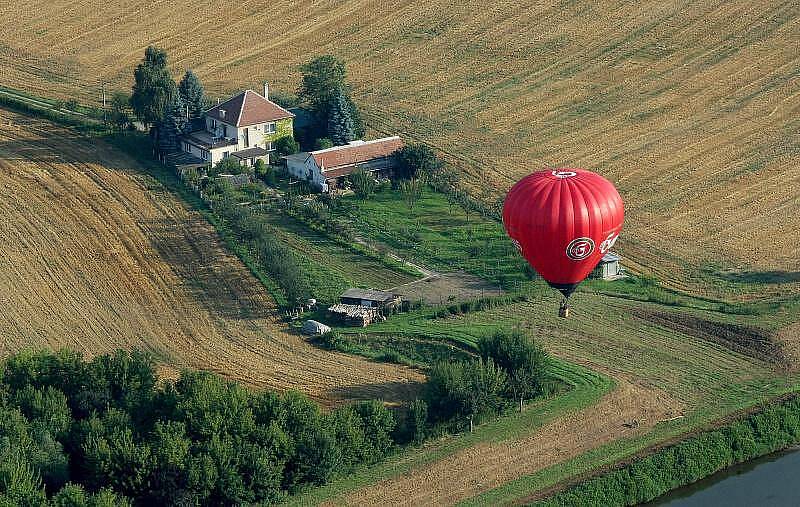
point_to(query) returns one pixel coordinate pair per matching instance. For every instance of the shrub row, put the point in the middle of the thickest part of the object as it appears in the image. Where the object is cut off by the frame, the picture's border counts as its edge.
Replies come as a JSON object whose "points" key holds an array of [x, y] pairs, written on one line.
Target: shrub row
{"points": [[772, 429], [271, 254], [477, 305], [53, 115]]}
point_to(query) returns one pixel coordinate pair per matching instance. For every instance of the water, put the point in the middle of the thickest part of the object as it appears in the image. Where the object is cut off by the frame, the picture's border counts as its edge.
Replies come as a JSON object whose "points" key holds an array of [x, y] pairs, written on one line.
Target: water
{"points": [[770, 481]]}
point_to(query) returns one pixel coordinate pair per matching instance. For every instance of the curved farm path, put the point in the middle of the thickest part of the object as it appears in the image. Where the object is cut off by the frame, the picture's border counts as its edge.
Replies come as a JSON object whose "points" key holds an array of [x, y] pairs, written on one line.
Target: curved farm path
{"points": [[485, 466], [96, 256]]}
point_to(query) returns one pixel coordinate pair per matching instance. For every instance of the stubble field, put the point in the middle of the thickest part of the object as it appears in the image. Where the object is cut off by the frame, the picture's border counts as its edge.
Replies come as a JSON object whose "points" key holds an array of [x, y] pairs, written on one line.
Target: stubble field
{"points": [[690, 107], [97, 256]]}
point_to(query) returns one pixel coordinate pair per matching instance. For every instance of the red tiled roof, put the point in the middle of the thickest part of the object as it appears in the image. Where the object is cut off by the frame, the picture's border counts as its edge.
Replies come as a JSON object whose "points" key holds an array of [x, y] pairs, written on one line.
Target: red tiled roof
{"points": [[248, 108], [352, 154]]}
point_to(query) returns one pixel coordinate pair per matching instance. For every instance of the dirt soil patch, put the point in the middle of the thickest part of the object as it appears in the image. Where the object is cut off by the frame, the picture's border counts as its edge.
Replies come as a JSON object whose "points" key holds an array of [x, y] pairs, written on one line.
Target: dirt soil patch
{"points": [[480, 468], [97, 255], [788, 339], [447, 288], [748, 340]]}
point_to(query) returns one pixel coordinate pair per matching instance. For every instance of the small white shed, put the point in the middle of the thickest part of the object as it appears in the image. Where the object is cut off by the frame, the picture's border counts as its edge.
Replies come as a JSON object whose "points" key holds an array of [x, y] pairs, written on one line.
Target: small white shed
{"points": [[608, 268]]}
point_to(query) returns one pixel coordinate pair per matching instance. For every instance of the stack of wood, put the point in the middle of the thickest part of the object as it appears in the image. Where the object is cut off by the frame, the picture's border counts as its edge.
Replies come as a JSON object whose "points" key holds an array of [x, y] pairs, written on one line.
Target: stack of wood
{"points": [[355, 315]]}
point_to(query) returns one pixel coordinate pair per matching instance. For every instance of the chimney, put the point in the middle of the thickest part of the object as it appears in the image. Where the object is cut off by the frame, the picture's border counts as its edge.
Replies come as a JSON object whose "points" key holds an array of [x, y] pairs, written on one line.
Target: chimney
{"points": [[219, 100], [266, 90]]}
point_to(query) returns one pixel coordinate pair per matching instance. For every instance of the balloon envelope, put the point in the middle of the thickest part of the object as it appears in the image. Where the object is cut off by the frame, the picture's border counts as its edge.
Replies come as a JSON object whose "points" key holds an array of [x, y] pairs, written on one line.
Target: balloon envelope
{"points": [[563, 222]]}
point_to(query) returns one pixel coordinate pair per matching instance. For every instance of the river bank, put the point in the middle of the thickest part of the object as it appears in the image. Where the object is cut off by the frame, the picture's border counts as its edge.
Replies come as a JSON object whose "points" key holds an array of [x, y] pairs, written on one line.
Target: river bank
{"points": [[765, 481], [770, 429]]}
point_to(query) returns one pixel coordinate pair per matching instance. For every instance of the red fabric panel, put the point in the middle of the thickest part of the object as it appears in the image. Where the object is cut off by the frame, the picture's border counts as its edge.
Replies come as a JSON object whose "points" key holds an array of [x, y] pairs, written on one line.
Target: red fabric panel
{"points": [[563, 221]]}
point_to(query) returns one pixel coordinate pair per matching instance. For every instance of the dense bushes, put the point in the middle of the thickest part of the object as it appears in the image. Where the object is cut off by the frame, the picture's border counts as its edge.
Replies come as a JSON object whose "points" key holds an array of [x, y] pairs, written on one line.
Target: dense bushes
{"points": [[510, 367], [105, 432], [772, 429]]}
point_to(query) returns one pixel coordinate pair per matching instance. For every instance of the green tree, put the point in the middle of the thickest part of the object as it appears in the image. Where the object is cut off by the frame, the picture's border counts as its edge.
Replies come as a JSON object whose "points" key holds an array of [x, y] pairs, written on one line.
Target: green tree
{"points": [[340, 121], [323, 143], [378, 423], [153, 86], [228, 165], [324, 78], [525, 362], [416, 160], [363, 184], [193, 94], [119, 116], [20, 484], [485, 383], [286, 145], [417, 421], [412, 191], [173, 125]]}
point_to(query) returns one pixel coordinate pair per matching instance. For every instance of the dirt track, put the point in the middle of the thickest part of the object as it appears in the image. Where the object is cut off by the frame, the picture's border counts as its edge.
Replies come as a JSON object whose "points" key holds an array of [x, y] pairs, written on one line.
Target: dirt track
{"points": [[474, 470], [96, 255]]}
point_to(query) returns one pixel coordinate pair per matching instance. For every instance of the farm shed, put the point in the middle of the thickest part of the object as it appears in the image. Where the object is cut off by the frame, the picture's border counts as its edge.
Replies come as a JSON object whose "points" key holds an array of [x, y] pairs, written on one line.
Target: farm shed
{"points": [[326, 169], [608, 268], [370, 298]]}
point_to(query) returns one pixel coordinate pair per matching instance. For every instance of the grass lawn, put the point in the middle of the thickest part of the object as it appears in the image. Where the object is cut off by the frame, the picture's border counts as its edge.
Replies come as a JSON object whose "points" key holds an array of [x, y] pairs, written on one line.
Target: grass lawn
{"points": [[444, 237]]}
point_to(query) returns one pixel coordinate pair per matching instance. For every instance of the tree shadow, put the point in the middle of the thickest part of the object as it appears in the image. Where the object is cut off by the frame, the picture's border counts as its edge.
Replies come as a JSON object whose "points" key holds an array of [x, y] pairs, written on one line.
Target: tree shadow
{"points": [[392, 392], [773, 277]]}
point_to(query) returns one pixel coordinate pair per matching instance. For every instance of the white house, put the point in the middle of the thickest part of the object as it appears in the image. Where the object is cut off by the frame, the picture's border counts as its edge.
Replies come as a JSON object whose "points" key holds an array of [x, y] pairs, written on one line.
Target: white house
{"points": [[245, 126], [326, 168]]}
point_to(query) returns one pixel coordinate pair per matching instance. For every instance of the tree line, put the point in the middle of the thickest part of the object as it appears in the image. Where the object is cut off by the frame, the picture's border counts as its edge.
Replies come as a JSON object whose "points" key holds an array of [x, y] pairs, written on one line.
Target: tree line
{"points": [[109, 432], [773, 428]]}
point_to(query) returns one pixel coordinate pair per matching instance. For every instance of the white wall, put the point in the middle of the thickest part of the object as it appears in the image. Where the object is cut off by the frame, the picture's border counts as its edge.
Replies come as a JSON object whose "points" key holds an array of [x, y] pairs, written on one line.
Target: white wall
{"points": [[301, 170]]}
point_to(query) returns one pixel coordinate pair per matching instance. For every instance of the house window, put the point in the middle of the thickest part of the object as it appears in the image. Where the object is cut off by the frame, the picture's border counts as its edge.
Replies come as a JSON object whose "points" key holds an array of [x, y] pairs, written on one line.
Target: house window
{"points": [[269, 128], [268, 145]]}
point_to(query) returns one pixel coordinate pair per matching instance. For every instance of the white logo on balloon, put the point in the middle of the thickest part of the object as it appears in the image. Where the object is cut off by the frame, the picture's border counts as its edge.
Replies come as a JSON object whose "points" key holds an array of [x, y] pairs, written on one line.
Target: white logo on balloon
{"points": [[564, 174], [580, 248], [608, 243]]}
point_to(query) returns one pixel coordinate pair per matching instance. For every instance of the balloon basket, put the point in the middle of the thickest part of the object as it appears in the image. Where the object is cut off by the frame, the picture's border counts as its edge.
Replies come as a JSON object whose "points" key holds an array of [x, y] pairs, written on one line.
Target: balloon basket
{"points": [[563, 310]]}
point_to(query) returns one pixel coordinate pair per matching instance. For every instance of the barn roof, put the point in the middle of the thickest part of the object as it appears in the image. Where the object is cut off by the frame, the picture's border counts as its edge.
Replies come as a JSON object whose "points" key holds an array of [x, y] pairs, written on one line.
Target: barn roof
{"points": [[248, 108], [357, 152], [368, 295], [610, 257]]}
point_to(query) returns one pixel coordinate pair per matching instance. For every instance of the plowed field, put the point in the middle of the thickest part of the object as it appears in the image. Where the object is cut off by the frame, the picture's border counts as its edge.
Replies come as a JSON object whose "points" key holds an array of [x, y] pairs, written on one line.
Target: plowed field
{"points": [[691, 107], [96, 255]]}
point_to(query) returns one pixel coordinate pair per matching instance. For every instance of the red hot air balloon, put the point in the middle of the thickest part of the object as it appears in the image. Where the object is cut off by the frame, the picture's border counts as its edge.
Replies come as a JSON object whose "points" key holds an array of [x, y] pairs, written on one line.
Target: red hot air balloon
{"points": [[563, 221]]}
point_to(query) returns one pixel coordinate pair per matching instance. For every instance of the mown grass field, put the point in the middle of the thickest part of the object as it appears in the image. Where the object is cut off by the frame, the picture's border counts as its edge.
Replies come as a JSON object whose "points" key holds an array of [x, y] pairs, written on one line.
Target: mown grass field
{"points": [[690, 107], [440, 234], [670, 381]]}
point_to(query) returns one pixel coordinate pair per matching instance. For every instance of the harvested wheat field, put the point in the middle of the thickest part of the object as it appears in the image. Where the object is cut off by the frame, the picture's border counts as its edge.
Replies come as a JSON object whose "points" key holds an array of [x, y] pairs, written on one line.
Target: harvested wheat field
{"points": [[487, 465], [98, 256], [691, 107]]}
